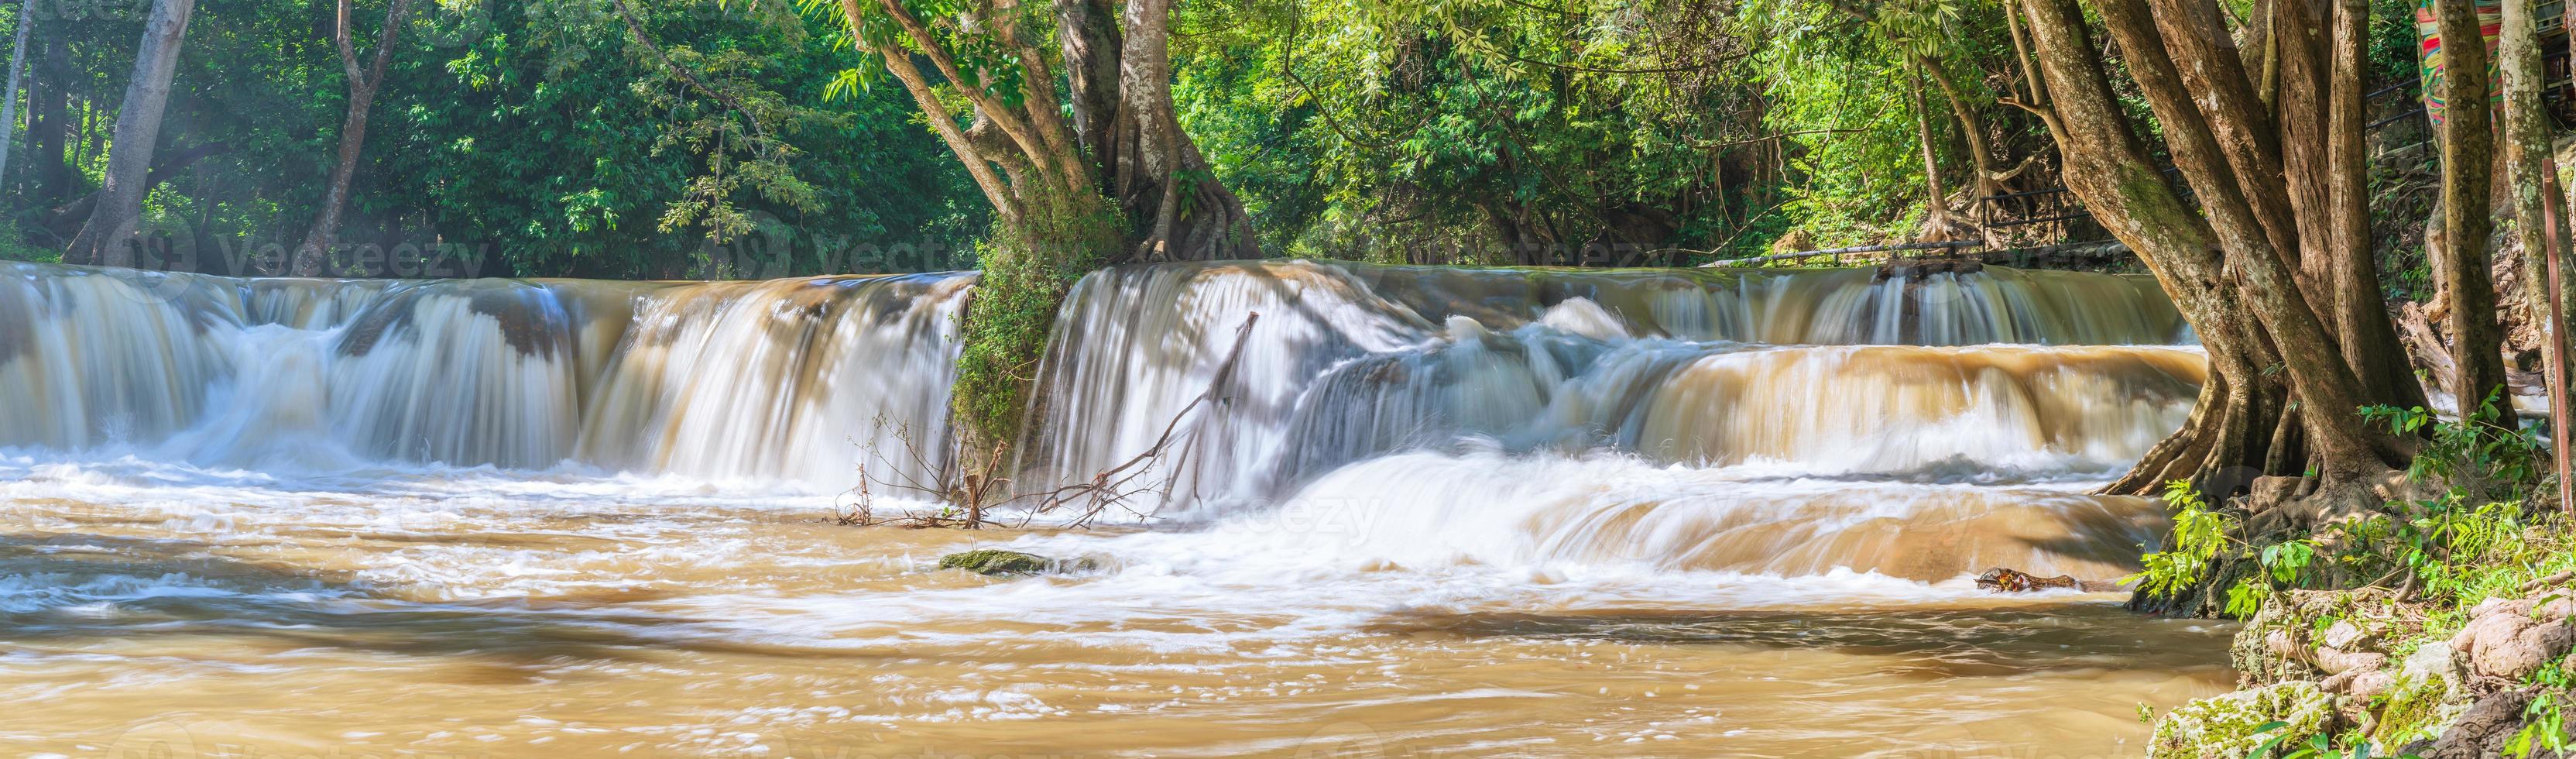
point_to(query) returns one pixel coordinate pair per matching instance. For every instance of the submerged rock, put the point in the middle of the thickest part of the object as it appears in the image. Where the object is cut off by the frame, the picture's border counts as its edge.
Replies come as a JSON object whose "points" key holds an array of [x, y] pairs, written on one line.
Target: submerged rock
{"points": [[2230, 726], [996, 562], [1000, 563]]}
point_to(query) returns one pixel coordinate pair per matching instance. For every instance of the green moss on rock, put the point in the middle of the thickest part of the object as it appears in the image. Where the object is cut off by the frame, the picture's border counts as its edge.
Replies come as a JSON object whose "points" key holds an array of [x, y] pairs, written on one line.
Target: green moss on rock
{"points": [[2228, 726], [2415, 708], [996, 562]]}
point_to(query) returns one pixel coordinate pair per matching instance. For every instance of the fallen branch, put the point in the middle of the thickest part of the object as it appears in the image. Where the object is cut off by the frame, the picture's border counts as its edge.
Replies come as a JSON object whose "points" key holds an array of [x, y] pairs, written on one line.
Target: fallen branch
{"points": [[968, 497]]}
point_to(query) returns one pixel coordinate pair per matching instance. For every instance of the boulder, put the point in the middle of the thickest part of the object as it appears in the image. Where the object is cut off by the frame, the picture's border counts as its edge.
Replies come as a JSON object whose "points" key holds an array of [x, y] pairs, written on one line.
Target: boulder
{"points": [[2483, 730], [2511, 639]]}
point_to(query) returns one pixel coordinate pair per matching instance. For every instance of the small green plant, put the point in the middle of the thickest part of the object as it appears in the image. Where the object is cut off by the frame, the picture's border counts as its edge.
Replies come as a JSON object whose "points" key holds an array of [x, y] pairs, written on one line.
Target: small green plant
{"points": [[1027, 271], [2320, 746], [2485, 454], [2199, 533], [2545, 725]]}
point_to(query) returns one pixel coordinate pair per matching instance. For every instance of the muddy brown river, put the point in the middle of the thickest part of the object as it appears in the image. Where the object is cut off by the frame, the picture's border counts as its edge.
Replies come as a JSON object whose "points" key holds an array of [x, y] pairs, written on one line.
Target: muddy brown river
{"points": [[1434, 513]]}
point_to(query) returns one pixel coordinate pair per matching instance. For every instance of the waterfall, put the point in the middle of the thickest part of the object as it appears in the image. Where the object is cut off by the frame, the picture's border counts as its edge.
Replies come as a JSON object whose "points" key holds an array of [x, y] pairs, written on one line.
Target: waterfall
{"points": [[1349, 361], [1770, 421], [780, 380]]}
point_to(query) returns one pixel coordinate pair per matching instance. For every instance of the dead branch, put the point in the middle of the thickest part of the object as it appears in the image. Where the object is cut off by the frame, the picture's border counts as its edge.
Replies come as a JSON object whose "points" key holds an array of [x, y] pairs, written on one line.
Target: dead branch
{"points": [[969, 496]]}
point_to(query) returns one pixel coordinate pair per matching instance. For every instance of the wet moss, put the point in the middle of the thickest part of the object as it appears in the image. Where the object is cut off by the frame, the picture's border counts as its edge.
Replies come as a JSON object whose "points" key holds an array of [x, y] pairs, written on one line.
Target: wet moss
{"points": [[996, 562], [1000, 563], [2414, 708], [2231, 725]]}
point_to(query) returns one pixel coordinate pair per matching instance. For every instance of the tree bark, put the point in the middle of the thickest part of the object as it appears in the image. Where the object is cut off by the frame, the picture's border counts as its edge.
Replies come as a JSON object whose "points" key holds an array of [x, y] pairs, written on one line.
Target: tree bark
{"points": [[2527, 147], [2300, 32], [2467, 149], [107, 238], [363, 85], [17, 64], [1972, 128], [2245, 303], [2206, 64], [1936, 203], [49, 116], [2363, 329], [1090, 45]]}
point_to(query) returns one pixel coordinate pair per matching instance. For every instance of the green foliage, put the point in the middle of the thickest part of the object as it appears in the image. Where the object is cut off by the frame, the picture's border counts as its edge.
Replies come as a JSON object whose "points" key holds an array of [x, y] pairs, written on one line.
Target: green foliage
{"points": [[2283, 745], [1487, 131], [2486, 457], [2546, 728], [1026, 274], [2199, 534], [540, 135]]}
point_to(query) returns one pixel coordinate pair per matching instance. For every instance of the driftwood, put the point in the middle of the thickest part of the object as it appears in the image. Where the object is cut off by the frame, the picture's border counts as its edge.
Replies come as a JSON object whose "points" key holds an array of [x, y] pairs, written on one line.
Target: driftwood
{"points": [[2429, 353], [2003, 580], [973, 494]]}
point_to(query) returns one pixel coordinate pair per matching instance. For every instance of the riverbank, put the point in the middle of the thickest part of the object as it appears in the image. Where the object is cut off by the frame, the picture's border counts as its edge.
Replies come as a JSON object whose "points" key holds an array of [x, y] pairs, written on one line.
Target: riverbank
{"points": [[2435, 623]]}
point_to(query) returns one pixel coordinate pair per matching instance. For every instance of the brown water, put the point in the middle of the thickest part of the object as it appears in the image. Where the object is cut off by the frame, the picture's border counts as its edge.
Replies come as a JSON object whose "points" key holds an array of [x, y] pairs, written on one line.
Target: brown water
{"points": [[247, 621], [1438, 512]]}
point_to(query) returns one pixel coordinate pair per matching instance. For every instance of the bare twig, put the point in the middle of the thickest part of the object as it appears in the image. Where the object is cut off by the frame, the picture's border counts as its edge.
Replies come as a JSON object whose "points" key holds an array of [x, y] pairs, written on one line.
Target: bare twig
{"points": [[970, 495]]}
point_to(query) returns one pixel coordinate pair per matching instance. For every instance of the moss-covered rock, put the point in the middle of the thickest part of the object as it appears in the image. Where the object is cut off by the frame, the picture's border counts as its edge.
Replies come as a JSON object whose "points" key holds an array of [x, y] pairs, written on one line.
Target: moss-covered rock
{"points": [[2416, 709], [996, 562], [1000, 563], [2264, 649], [2228, 726]]}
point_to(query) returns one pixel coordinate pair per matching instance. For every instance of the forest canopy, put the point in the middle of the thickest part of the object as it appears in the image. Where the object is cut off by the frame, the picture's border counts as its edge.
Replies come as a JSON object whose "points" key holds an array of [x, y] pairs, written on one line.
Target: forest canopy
{"points": [[751, 138]]}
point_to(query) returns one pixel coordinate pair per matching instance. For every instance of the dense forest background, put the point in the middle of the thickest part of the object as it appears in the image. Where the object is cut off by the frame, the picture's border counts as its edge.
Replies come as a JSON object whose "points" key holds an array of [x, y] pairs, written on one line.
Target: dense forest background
{"points": [[554, 139]]}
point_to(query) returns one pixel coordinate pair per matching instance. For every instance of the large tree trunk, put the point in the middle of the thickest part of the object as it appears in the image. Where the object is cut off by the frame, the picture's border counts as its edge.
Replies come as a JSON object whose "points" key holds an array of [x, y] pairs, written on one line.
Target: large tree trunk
{"points": [[2477, 341], [107, 238], [353, 133], [1157, 166], [2245, 303], [1061, 189]]}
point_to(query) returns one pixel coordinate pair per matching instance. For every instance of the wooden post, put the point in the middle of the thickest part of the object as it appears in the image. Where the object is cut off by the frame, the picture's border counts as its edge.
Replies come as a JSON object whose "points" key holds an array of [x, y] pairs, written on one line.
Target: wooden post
{"points": [[2550, 201]]}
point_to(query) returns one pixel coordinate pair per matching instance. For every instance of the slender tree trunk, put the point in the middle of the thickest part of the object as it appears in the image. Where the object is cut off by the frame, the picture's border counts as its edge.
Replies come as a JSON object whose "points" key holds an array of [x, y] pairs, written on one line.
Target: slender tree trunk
{"points": [[107, 238], [363, 85], [2021, 55], [17, 64], [1936, 203], [2526, 147], [1972, 128], [2299, 35], [2362, 326], [2467, 152], [49, 116]]}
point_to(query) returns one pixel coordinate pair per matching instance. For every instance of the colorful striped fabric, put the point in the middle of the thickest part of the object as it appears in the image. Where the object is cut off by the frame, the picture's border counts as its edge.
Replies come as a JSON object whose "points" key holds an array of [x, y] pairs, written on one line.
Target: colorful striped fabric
{"points": [[2490, 21]]}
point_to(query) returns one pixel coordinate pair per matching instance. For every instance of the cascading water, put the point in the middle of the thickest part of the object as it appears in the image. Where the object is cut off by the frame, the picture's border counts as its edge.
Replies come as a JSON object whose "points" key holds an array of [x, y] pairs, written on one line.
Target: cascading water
{"points": [[1435, 493], [1696, 368], [761, 381]]}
